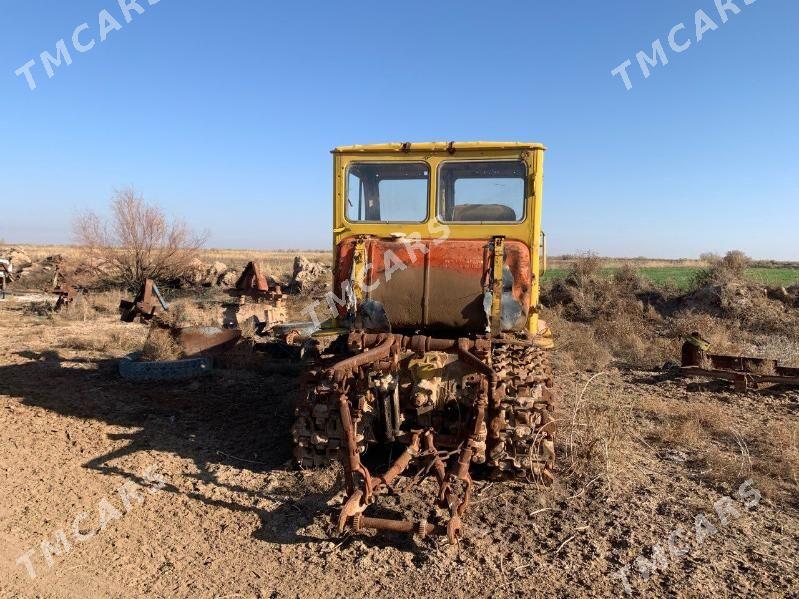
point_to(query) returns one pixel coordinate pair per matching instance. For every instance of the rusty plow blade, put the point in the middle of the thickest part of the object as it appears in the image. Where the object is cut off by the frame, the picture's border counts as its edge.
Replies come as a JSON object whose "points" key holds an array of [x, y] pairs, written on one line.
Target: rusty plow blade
{"points": [[745, 372], [205, 341]]}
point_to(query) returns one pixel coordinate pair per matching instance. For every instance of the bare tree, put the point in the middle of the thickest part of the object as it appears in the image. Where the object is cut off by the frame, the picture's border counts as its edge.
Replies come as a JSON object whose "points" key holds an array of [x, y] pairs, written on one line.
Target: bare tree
{"points": [[137, 242]]}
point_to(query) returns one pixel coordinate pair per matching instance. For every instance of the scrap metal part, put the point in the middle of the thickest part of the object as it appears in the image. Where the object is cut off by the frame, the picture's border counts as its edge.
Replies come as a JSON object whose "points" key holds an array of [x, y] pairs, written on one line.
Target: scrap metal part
{"points": [[147, 303], [745, 372], [6, 275], [64, 290], [256, 300], [205, 341]]}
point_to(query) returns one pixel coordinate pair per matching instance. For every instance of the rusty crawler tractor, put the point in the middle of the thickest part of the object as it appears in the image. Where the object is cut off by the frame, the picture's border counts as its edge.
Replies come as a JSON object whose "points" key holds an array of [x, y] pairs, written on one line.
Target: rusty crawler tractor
{"points": [[436, 343]]}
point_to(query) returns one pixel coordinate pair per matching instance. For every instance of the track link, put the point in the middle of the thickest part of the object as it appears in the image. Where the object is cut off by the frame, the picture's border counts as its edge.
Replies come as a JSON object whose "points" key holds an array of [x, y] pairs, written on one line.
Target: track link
{"points": [[317, 430], [524, 432]]}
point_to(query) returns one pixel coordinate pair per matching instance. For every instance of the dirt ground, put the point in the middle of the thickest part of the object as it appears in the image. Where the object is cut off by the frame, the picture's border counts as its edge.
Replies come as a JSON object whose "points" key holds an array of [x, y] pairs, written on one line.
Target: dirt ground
{"points": [[213, 506]]}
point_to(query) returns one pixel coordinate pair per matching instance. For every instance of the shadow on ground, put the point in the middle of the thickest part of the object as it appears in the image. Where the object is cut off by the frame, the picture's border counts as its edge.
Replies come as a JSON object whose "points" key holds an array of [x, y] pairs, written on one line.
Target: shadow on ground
{"points": [[240, 419]]}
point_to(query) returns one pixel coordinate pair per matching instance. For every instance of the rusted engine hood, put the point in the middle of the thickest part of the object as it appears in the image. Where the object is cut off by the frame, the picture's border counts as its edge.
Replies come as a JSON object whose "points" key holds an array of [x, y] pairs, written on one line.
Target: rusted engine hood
{"points": [[440, 284]]}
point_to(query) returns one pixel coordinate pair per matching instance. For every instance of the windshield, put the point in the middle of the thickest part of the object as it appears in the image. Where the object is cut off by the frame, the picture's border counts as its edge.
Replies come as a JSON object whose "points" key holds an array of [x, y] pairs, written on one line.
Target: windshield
{"points": [[387, 192], [489, 191]]}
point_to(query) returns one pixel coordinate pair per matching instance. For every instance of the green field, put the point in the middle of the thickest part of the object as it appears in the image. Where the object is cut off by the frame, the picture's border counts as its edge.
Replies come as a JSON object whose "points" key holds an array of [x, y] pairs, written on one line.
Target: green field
{"points": [[681, 277]]}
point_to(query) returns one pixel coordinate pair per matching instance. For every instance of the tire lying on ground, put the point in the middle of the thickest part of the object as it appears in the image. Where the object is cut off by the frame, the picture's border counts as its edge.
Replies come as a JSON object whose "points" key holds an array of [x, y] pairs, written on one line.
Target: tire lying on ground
{"points": [[132, 368]]}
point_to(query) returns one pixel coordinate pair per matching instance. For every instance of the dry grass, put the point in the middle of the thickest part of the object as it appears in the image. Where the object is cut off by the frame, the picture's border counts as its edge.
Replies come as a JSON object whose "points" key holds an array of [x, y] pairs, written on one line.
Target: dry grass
{"points": [[231, 257], [613, 438], [273, 260], [595, 439], [189, 313], [105, 338], [727, 445], [617, 320], [160, 345], [578, 346]]}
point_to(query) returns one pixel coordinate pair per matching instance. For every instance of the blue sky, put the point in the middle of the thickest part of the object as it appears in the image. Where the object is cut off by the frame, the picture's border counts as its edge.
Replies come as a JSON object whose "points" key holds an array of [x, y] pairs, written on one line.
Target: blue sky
{"points": [[225, 112]]}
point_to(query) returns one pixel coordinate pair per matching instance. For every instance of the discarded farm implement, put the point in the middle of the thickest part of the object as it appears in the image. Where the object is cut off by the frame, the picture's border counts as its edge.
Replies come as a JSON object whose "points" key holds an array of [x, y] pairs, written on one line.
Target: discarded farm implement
{"points": [[743, 371], [436, 343]]}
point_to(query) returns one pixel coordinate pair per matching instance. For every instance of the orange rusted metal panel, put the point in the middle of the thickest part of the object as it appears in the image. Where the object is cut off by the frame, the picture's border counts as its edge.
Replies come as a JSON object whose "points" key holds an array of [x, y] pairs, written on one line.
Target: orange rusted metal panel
{"points": [[439, 285]]}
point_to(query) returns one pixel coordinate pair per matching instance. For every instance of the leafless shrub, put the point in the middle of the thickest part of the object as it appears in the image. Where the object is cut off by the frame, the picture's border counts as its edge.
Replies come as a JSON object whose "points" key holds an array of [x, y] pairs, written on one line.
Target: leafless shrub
{"points": [[585, 268], [160, 345], [138, 242], [627, 279]]}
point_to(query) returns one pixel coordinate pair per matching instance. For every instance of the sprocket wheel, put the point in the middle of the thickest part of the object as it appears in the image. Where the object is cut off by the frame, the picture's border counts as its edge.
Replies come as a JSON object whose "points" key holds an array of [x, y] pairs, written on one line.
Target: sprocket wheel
{"points": [[524, 446]]}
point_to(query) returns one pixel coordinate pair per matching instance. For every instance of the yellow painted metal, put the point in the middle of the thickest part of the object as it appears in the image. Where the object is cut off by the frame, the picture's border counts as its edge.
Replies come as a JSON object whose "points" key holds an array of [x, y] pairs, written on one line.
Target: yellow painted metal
{"points": [[496, 288], [435, 154], [439, 146]]}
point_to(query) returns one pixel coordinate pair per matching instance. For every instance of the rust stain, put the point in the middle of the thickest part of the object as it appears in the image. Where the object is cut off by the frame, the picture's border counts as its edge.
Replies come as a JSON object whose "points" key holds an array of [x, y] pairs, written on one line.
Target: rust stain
{"points": [[432, 284]]}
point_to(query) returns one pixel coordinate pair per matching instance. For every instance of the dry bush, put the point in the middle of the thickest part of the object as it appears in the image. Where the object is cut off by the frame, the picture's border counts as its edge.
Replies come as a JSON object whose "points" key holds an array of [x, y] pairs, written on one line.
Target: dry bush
{"points": [[138, 243], [731, 268], [627, 279], [622, 322], [762, 315], [631, 338], [160, 345], [80, 309], [576, 343], [249, 328], [585, 268], [726, 293], [724, 335]]}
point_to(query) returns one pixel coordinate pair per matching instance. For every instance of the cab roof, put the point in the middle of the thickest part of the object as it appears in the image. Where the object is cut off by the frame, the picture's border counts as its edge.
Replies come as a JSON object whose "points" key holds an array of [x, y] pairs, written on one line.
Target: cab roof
{"points": [[439, 146]]}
